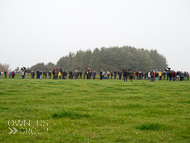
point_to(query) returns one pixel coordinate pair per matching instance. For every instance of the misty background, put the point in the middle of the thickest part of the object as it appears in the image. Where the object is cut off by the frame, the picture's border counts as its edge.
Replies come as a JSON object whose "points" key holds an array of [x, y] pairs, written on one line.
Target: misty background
{"points": [[44, 31]]}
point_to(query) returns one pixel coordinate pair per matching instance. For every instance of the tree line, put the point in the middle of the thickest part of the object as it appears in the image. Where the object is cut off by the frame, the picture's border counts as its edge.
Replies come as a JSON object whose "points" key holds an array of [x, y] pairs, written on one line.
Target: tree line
{"points": [[109, 59]]}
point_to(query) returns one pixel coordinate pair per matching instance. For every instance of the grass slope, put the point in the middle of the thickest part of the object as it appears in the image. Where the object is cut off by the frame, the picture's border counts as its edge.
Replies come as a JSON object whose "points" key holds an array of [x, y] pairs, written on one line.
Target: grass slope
{"points": [[94, 110]]}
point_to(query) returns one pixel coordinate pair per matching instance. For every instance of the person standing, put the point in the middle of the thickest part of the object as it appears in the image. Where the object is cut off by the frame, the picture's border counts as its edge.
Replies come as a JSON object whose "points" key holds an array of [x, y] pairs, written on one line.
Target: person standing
{"points": [[100, 74], [59, 74], [160, 75], [120, 74], [174, 75], [156, 75], [168, 72], [13, 74], [137, 73], [84, 73], [111, 74], [74, 74], [10, 74], [103, 73], [108, 73], [0, 73], [177, 76], [45, 74], [149, 76], [181, 76], [71, 75], [49, 75], [22, 73], [170, 75], [63, 74], [187, 75], [5, 72], [115, 74], [125, 75], [56, 74], [94, 75], [40, 74], [32, 74], [152, 76], [89, 74], [164, 74], [53, 73], [131, 74]]}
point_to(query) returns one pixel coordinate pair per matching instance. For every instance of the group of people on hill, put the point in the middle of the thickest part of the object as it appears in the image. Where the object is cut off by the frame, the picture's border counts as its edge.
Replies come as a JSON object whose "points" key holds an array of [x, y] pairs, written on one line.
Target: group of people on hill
{"points": [[158, 75], [89, 74], [11, 74]]}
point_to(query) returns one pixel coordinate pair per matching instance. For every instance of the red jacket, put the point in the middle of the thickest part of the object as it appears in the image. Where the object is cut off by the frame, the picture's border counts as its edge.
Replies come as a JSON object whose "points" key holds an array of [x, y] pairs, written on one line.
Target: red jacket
{"points": [[174, 74]]}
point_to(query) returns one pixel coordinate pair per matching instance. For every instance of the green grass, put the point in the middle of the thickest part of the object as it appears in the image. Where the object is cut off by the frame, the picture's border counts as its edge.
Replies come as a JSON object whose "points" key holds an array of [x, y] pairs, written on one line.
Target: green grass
{"points": [[94, 110]]}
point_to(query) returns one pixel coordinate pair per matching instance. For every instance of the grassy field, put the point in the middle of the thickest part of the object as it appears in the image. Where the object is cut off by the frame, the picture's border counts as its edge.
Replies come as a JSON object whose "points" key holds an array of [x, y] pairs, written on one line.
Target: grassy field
{"points": [[94, 111]]}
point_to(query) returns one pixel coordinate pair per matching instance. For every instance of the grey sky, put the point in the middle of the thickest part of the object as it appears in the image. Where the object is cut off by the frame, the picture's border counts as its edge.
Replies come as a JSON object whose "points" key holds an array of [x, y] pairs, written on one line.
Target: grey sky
{"points": [[33, 31]]}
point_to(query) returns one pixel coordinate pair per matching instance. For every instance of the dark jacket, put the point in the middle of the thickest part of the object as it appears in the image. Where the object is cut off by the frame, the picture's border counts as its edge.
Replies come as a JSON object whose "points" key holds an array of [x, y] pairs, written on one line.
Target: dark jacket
{"points": [[115, 73], [181, 74]]}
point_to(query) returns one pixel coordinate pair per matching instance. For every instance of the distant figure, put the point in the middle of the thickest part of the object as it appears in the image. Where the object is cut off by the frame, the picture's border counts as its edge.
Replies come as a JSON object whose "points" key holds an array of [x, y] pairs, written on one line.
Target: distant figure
{"points": [[5, 72], [40, 74], [63, 74], [125, 75], [187, 75], [10, 74], [177, 75], [45, 74], [108, 73], [156, 75], [181, 76], [71, 75], [59, 74], [80, 73], [152, 76], [84, 73], [0, 73], [55, 74], [32, 74], [103, 73], [94, 75], [131, 74], [149, 75], [49, 74], [170, 75], [89, 74], [174, 75], [164, 74], [13, 74], [22, 73], [120, 74], [100, 74], [115, 74], [111, 74]]}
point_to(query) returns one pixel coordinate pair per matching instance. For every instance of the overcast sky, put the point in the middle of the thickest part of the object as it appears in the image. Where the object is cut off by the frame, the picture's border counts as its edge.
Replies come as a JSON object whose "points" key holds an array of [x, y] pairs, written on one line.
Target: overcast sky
{"points": [[33, 31]]}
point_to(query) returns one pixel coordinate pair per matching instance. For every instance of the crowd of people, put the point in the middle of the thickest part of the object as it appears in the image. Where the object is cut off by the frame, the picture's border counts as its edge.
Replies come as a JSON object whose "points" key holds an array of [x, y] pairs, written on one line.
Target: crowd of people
{"points": [[89, 74], [11, 74]]}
